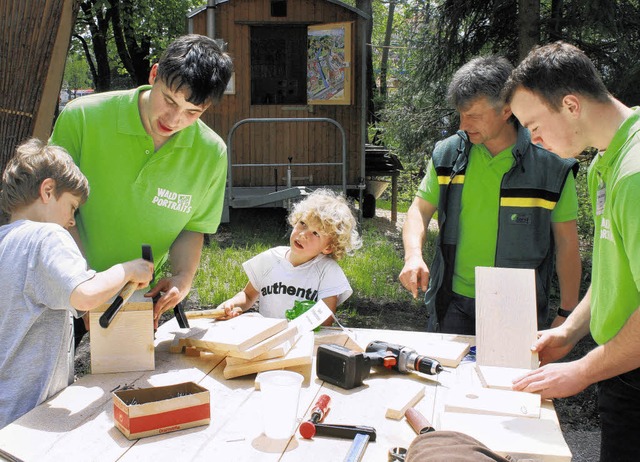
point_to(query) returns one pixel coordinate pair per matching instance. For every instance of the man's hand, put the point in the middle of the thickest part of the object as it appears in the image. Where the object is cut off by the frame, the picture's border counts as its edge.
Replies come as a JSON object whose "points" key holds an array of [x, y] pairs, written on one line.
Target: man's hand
{"points": [[554, 380], [172, 290], [552, 345], [415, 275]]}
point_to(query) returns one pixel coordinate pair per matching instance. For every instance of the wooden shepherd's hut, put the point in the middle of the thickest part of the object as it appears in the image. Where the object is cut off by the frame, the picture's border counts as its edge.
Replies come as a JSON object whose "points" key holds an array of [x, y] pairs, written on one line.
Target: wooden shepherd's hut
{"points": [[294, 113]]}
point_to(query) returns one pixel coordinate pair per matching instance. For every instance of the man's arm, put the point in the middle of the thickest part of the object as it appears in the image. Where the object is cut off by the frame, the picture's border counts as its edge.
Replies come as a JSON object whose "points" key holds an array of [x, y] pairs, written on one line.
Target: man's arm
{"points": [[184, 257], [560, 379], [617, 356], [415, 273], [568, 266]]}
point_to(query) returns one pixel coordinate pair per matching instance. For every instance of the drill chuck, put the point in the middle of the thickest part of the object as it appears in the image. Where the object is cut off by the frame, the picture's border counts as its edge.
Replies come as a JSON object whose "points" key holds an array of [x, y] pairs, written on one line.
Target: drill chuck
{"points": [[406, 359]]}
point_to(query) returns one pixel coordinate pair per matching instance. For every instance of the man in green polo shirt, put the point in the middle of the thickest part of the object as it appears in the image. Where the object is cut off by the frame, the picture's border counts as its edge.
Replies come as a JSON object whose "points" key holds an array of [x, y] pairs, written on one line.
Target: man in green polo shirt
{"points": [[559, 95], [157, 173], [498, 205]]}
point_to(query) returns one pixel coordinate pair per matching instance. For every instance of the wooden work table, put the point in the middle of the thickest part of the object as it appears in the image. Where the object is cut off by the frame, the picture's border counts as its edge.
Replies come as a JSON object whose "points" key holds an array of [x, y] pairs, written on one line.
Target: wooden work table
{"points": [[77, 424]]}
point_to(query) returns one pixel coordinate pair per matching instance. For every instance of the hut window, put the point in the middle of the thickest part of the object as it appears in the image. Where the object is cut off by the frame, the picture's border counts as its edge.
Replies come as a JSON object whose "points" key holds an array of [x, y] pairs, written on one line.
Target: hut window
{"points": [[279, 8], [278, 64]]}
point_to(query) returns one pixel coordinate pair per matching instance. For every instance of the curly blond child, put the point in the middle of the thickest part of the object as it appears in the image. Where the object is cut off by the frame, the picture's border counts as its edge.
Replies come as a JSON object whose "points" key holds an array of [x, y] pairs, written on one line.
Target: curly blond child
{"points": [[324, 231]]}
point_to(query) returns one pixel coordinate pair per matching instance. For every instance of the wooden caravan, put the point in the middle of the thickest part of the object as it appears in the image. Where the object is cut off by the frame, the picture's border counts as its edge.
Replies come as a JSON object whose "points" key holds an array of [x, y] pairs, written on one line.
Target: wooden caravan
{"points": [[294, 113]]}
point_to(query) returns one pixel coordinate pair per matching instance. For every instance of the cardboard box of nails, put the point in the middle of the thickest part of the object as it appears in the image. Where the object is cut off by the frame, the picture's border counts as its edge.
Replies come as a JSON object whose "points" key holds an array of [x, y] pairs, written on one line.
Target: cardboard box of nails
{"points": [[150, 411]]}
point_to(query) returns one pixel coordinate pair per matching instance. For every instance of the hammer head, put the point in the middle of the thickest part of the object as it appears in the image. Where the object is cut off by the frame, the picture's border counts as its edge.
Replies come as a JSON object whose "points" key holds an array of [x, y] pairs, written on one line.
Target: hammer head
{"points": [[178, 312]]}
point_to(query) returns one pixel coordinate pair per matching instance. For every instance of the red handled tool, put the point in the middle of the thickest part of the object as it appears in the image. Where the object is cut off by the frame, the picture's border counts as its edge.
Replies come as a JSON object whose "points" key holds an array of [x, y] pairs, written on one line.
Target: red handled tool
{"points": [[418, 422], [320, 409], [126, 292]]}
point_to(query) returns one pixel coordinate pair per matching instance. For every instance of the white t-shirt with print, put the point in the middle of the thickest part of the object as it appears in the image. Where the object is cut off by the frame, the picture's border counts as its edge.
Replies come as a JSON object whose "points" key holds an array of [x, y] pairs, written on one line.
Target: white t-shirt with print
{"points": [[280, 283]]}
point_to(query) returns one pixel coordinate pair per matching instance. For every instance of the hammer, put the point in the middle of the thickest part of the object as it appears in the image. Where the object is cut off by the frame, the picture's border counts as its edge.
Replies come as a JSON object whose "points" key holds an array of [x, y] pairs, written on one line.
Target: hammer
{"points": [[312, 427]]}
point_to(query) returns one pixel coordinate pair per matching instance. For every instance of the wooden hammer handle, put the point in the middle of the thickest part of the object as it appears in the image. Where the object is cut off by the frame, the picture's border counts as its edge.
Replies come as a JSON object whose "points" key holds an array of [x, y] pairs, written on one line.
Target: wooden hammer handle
{"points": [[418, 422], [215, 313]]}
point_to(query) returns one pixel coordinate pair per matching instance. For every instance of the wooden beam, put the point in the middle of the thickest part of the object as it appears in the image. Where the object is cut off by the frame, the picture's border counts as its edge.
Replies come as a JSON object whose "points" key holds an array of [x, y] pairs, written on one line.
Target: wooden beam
{"points": [[44, 112]]}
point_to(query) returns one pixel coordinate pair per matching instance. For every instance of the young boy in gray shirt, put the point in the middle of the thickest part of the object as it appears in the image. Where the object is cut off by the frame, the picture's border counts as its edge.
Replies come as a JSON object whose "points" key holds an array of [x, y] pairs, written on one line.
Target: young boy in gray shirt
{"points": [[44, 279]]}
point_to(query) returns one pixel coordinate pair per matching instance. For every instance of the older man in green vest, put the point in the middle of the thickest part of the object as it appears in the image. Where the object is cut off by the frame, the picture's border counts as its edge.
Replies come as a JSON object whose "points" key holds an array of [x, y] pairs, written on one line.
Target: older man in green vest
{"points": [[502, 202]]}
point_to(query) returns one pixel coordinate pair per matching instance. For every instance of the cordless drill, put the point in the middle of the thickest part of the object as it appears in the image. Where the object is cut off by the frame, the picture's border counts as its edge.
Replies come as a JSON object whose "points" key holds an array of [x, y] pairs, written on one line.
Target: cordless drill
{"points": [[347, 369]]}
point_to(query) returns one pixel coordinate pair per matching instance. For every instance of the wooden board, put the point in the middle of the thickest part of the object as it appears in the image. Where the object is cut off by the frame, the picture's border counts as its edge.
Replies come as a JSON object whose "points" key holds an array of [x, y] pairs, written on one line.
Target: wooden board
{"points": [[273, 342], [487, 401], [506, 317], [500, 378], [277, 352], [407, 396], [127, 344], [521, 438], [237, 334], [300, 354]]}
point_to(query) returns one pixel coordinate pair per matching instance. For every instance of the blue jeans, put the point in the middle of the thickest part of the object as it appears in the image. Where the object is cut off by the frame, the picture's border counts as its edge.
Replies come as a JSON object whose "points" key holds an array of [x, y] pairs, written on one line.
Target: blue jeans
{"points": [[619, 407], [460, 317]]}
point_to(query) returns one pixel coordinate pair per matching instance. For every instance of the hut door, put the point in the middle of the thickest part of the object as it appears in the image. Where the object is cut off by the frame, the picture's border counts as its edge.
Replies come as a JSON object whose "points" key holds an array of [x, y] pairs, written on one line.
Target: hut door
{"points": [[329, 52]]}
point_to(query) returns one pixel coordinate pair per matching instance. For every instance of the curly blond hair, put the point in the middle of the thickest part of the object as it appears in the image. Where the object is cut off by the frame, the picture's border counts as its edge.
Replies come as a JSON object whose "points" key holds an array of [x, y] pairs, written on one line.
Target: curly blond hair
{"points": [[332, 214]]}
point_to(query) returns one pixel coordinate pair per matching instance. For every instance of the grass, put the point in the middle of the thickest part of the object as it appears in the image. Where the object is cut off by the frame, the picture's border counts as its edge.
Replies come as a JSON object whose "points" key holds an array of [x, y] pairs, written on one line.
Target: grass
{"points": [[385, 204]]}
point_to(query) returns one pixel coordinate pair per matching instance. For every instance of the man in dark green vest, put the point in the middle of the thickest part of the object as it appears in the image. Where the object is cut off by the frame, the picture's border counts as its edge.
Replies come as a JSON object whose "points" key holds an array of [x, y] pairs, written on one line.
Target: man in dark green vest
{"points": [[502, 202]]}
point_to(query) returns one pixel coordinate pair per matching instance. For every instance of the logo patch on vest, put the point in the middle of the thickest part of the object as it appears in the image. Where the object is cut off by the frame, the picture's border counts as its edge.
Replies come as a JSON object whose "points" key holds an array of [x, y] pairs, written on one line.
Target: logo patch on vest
{"points": [[520, 219]]}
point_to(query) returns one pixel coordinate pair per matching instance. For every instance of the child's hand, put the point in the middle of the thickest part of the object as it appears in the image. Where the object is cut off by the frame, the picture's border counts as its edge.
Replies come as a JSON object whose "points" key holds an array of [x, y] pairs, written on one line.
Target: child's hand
{"points": [[231, 311], [139, 271]]}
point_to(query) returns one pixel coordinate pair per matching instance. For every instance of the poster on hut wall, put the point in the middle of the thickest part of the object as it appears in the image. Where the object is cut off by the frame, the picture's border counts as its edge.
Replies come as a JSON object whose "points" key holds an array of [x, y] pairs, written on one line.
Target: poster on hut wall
{"points": [[329, 63]]}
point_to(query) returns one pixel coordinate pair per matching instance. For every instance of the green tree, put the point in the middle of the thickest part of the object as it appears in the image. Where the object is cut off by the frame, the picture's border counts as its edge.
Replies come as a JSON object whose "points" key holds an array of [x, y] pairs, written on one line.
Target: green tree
{"points": [[447, 33], [124, 37], [76, 73]]}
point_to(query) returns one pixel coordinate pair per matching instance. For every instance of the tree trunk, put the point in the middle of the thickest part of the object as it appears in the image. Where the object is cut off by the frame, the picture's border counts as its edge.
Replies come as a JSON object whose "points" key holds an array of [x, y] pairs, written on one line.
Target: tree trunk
{"points": [[555, 31], [385, 52], [366, 7], [528, 26], [134, 56], [98, 23]]}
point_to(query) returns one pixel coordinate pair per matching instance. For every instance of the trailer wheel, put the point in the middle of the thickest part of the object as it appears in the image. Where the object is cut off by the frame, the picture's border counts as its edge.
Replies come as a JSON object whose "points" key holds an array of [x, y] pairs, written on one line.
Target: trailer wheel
{"points": [[369, 206]]}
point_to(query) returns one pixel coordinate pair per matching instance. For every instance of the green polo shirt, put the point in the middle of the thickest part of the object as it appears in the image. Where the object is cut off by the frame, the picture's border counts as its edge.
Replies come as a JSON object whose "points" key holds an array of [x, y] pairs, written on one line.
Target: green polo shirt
{"points": [[615, 279], [480, 208], [139, 196]]}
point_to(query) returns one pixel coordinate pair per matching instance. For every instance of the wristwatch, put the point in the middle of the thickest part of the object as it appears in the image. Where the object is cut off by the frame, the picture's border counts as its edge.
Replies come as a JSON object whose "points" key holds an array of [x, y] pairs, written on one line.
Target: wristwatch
{"points": [[564, 313]]}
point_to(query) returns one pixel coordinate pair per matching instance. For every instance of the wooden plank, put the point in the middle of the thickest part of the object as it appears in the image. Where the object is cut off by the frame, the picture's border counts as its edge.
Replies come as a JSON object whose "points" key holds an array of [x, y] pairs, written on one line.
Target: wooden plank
{"points": [[521, 438], [488, 401], [127, 344], [399, 402], [268, 344], [237, 334], [276, 352], [299, 354], [506, 318], [499, 377]]}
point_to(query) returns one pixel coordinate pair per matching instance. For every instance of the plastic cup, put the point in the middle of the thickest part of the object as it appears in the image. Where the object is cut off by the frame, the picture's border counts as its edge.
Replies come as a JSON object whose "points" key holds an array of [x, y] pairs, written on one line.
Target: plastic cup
{"points": [[280, 391]]}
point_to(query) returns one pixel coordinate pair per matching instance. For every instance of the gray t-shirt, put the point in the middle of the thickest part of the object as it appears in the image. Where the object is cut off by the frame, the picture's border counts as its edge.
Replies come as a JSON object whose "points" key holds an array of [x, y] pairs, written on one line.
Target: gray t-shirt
{"points": [[40, 265]]}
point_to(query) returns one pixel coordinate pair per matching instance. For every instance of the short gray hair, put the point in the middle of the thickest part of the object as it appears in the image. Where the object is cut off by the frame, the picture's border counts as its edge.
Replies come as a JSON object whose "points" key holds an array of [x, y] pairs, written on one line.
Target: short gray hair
{"points": [[483, 76]]}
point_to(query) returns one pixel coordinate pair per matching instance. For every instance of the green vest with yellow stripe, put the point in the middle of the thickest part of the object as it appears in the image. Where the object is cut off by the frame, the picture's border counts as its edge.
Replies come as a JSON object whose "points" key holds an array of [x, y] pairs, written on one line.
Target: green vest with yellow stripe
{"points": [[529, 192]]}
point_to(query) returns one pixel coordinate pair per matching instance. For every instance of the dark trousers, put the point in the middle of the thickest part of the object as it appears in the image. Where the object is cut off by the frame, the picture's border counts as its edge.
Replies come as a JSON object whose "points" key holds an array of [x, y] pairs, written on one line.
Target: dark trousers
{"points": [[619, 406], [460, 317]]}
